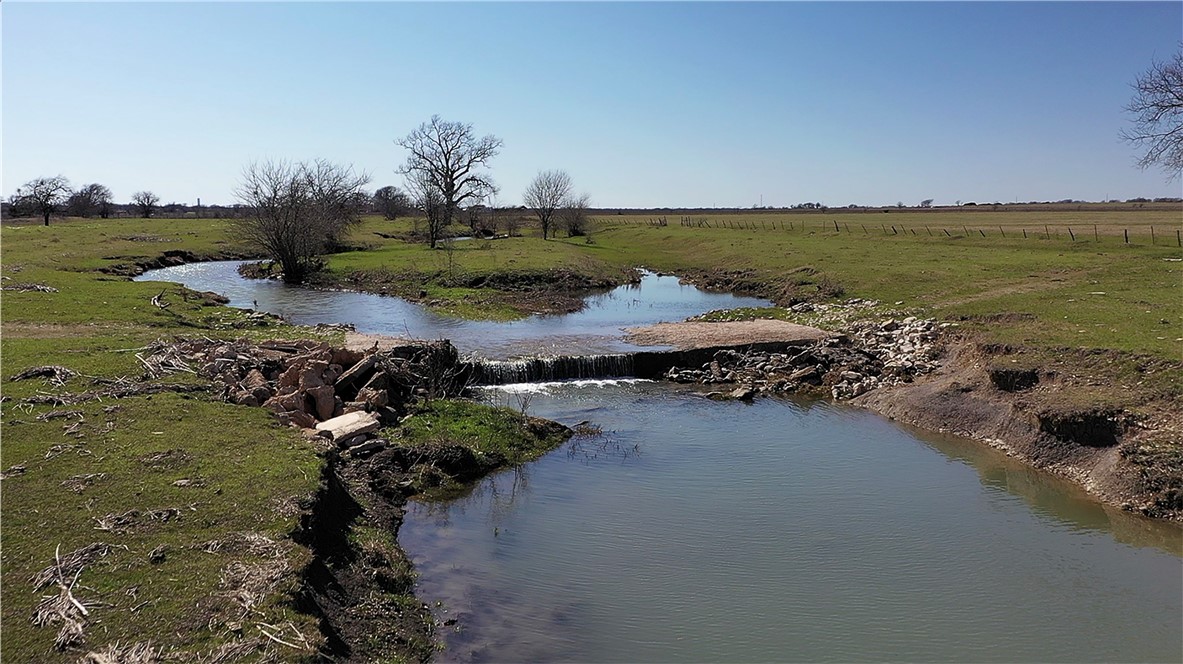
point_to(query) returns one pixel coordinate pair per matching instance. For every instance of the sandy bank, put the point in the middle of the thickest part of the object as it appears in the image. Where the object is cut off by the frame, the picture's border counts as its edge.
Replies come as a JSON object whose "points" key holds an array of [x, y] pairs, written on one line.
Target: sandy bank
{"points": [[691, 335]]}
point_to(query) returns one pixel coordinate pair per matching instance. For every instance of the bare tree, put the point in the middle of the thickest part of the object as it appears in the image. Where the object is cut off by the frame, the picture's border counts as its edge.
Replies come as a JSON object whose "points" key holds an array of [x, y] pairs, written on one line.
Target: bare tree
{"points": [[294, 212], [428, 199], [545, 194], [43, 195], [1157, 108], [926, 203], [145, 202], [573, 214], [448, 158], [391, 202], [90, 199]]}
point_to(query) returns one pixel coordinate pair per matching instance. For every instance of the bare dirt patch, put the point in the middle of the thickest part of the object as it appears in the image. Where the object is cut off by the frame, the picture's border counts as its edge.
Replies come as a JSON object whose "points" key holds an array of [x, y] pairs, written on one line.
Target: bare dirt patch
{"points": [[691, 335], [358, 341]]}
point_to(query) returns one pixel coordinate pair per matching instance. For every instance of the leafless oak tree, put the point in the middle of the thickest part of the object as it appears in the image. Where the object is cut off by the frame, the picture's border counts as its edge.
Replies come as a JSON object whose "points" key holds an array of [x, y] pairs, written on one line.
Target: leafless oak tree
{"points": [[295, 211], [145, 202], [88, 200], [1157, 107], [427, 198], [391, 202], [545, 194], [449, 158], [44, 195], [573, 214]]}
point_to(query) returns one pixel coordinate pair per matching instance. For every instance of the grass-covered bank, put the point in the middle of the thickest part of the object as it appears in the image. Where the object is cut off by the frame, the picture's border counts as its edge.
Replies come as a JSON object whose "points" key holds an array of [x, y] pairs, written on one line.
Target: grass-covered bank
{"points": [[143, 513], [166, 517]]}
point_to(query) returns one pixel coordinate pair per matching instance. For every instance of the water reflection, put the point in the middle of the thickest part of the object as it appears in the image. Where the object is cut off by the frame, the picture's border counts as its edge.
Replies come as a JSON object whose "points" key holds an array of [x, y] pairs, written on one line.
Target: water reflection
{"points": [[789, 530], [593, 330], [1054, 497]]}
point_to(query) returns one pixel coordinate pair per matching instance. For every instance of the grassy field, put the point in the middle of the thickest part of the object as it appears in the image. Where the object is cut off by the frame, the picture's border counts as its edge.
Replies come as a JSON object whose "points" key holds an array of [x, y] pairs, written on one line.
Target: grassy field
{"points": [[188, 494], [1051, 291], [187, 503]]}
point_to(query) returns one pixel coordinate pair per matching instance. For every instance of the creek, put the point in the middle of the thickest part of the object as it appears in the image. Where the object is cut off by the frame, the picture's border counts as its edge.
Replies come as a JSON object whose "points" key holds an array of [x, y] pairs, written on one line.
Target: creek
{"points": [[778, 530]]}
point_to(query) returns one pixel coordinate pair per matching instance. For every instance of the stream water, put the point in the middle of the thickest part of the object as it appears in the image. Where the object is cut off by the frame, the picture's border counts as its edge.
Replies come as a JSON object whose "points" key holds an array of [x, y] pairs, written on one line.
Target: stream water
{"points": [[781, 530], [595, 329]]}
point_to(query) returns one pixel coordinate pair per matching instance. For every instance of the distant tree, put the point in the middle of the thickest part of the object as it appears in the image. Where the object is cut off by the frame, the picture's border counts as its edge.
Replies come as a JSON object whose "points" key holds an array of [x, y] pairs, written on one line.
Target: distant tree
{"points": [[546, 194], [573, 214], [391, 202], [1157, 107], [44, 195], [145, 203], [448, 158], [295, 211], [89, 200], [899, 204], [926, 203], [429, 200], [20, 205]]}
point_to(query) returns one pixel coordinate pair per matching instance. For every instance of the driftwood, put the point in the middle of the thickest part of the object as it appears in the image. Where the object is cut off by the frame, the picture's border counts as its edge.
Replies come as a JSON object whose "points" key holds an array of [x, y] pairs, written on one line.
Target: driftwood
{"points": [[38, 288], [114, 393], [64, 607], [55, 374], [158, 301]]}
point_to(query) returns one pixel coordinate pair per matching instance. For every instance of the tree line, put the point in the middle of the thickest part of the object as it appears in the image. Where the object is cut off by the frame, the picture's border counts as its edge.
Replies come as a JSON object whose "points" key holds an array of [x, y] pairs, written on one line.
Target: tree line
{"points": [[297, 211]]}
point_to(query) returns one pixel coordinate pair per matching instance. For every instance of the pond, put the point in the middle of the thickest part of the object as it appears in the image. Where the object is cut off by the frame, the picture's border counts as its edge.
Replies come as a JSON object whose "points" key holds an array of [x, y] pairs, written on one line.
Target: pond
{"points": [[781, 530]]}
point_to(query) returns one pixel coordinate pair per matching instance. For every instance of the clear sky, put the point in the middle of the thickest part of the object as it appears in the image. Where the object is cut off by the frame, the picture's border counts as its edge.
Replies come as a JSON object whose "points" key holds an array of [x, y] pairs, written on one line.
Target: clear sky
{"points": [[644, 104]]}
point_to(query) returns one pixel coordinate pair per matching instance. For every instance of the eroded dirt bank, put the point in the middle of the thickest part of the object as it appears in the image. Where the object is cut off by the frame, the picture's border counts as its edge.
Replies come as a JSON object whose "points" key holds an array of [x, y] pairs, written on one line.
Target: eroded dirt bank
{"points": [[1068, 417], [1031, 414]]}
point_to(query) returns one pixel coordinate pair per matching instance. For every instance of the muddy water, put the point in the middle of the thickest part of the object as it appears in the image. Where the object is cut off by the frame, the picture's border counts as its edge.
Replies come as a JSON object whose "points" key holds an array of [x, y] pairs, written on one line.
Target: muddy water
{"points": [[595, 329], [785, 531]]}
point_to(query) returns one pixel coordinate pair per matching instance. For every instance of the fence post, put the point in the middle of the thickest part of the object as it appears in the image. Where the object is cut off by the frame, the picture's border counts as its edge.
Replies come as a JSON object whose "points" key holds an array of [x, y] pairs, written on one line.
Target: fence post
{"points": [[947, 232], [1152, 235], [836, 226], [1046, 234], [1127, 235], [1096, 236], [1002, 231], [1071, 235], [1024, 233], [864, 229], [1179, 238]]}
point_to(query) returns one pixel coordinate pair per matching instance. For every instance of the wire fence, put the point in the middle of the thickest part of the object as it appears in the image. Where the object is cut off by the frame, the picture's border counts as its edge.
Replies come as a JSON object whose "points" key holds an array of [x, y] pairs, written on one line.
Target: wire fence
{"points": [[1141, 234]]}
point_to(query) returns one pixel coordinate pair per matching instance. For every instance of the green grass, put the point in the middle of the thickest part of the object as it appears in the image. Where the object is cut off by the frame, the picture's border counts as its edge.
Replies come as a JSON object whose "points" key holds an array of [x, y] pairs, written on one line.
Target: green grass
{"points": [[486, 430], [1049, 281], [247, 475]]}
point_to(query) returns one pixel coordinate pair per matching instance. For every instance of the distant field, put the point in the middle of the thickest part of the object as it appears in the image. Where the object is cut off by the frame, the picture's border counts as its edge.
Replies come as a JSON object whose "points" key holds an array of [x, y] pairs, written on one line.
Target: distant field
{"points": [[1150, 225], [1094, 291]]}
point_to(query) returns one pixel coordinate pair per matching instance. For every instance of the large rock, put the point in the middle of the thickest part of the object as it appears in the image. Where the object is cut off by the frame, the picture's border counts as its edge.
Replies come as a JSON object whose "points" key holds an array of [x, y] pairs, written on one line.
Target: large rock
{"points": [[312, 374], [356, 372], [349, 424], [324, 400]]}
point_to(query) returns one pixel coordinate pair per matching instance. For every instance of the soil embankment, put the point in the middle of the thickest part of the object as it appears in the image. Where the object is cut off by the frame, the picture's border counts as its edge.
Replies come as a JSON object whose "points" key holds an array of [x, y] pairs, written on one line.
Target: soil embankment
{"points": [[930, 375], [1098, 447], [367, 411]]}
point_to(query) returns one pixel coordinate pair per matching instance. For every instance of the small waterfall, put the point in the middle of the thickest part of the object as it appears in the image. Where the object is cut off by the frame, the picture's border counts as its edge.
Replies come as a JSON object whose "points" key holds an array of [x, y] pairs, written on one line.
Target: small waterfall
{"points": [[546, 369]]}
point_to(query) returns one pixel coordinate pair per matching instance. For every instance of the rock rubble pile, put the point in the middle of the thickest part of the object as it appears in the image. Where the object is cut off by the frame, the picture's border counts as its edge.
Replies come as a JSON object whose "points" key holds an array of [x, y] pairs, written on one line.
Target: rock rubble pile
{"points": [[334, 393], [869, 356]]}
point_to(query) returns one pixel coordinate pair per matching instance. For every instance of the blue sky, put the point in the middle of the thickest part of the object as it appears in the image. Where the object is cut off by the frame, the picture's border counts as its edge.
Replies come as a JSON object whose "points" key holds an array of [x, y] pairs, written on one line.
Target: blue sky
{"points": [[644, 104]]}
